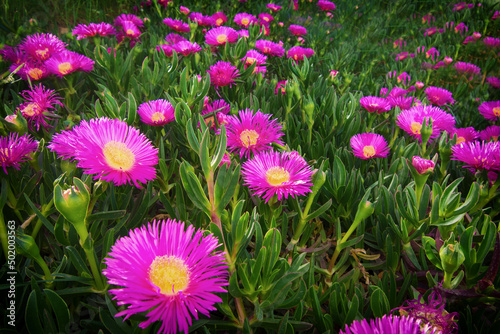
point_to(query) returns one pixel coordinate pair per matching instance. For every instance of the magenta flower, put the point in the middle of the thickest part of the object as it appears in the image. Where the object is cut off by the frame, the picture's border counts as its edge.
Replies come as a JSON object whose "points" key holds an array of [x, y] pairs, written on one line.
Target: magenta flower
{"points": [[423, 166], [460, 28], [464, 135], [250, 133], [219, 109], [326, 5], [131, 18], [156, 112], [398, 91], [269, 48], [223, 74], [490, 110], [430, 31], [176, 25], [369, 145], [439, 96], [467, 68], [110, 149], [392, 324], [411, 120], [129, 30], [219, 19], [186, 48], [494, 82], [431, 53], [265, 18], [93, 29], [243, 33], [491, 133], [273, 173], [273, 7], [39, 103], [244, 19], [252, 57], [432, 315], [478, 155], [168, 50], [184, 10], [297, 30], [68, 62], [35, 70], [403, 77], [402, 102], [174, 38], [15, 149], [280, 87], [221, 36], [298, 53], [41, 46], [375, 104], [169, 271], [491, 42], [202, 20]]}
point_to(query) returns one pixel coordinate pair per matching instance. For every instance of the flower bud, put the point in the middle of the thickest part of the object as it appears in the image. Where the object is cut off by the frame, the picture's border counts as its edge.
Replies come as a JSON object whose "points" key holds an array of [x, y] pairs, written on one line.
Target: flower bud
{"points": [[73, 203], [16, 123], [27, 246], [423, 166], [365, 210], [448, 60], [419, 84], [426, 130], [452, 257]]}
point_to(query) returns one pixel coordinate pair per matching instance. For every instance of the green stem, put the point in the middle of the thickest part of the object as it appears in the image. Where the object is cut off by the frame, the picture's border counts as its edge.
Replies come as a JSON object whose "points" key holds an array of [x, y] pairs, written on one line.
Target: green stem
{"points": [[3, 235], [338, 248], [46, 271], [302, 223], [39, 223], [81, 229], [447, 280]]}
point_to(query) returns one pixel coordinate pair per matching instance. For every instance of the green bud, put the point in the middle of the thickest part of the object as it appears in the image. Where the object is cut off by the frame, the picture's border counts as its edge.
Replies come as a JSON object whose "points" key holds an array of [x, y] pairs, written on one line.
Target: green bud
{"points": [[452, 257], [426, 130], [73, 203], [16, 123], [365, 210], [27, 246], [147, 22], [309, 109]]}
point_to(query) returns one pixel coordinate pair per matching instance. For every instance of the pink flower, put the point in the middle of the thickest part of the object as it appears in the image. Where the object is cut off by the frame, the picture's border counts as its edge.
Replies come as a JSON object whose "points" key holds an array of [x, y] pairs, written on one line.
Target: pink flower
{"points": [[121, 19], [156, 112], [419, 84], [478, 155], [186, 48], [467, 68], [202, 20], [491, 42], [176, 25], [68, 62], [494, 82], [269, 48], [280, 87], [15, 149], [461, 27], [326, 5], [411, 120], [432, 52], [439, 96], [168, 50], [41, 47], [375, 104], [491, 133], [184, 10], [173, 38], [297, 30], [298, 53], [265, 18], [448, 60], [223, 74], [221, 36], [93, 29], [403, 77], [252, 57], [423, 166], [273, 7], [430, 31], [244, 19], [369, 145], [464, 135], [40, 102], [490, 110]]}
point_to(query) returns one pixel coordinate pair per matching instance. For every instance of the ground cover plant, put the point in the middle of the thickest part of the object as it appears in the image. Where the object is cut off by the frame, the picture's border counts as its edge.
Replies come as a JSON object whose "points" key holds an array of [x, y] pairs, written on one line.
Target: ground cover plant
{"points": [[250, 166]]}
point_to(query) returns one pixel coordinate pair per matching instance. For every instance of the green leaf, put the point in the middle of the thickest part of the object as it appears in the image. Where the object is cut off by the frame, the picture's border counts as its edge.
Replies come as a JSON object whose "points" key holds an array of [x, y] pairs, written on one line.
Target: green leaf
{"points": [[204, 153], [77, 261], [33, 323], [431, 252], [319, 211], [106, 215], [44, 220], [60, 309], [221, 148], [193, 188], [379, 303], [132, 109]]}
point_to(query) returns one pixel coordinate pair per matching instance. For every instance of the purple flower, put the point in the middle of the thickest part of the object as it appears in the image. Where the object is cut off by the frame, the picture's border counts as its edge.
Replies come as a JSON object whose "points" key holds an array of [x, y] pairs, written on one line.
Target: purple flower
{"points": [[422, 166], [490, 110], [369, 145], [40, 101], [388, 324], [221, 36], [223, 74], [411, 120], [491, 133], [244, 19], [439, 96], [68, 62], [467, 68], [156, 112], [464, 135], [176, 25], [297, 30], [41, 46], [186, 48], [298, 53], [93, 29], [478, 155], [375, 104], [269, 48], [15, 149]]}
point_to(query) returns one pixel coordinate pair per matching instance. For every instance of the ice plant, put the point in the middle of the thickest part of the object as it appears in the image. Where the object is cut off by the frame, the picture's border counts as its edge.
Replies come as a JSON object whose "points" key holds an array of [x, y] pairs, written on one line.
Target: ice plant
{"points": [[297, 30], [467, 68], [174, 38], [269, 48], [202, 20], [156, 112], [280, 87], [411, 120], [464, 135], [491, 133], [254, 57], [223, 74], [387, 324], [273, 7], [110, 150], [431, 315], [491, 42], [186, 48], [218, 109], [250, 133], [244, 19], [402, 102], [82, 31], [494, 82], [326, 5], [490, 110], [40, 102], [277, 173], [422, 166], [298, 53], [478, 155], [439, 96], [68, 62], [169, 271], [176, 25], [15, 149], [219, 18], [121, 19], [34, 70], [375, 104], [42, 46], [221, 36], [369, 145]]}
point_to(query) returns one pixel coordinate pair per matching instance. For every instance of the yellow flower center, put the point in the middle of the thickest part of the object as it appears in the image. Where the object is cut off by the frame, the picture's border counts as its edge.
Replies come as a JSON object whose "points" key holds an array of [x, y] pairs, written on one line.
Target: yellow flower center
{"points": [[416, 127], [249, 137], [275, 176], [295, 57], [157, 117], [43, 54], [118, 156], [4, 154], [266, 19], [219, 21], [369, 151], [460, 140], [250, 60], [496, 111], [35, 73], [130, 32], [266, 49], [494, 138], [65, 68], [222, 38], [245, 21], [170, 274], [30, 110]]}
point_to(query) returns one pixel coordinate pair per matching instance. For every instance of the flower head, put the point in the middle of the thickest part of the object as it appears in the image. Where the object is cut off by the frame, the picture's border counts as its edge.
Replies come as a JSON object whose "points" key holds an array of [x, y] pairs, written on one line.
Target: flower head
{"points": [[402, 102], [432, 315], [491, 42], [156, 112], [422, 166], [223, 74], [494, 82], [398, 91], [174, 38], [15, 149], [297, 30], [490, 110], [439, 96], [280, 87], [273, 7], [369, 145], [387, 324], [265, 18], [244, 19], [326, 5], [269, 48], [467, 68], [186, 48], [298, 53], [184, 10], [375, 104], [34, 70], [202, 20], [478, 155], [93, 29], [68, 62], [491, 133], [109, 148], [274, 173], [411, 120], [464, 135], [131, 18], [219, 109], [41, 46], [250, 133], [39, 102], [170, 271], [221, 36], [254, 57], [176, 25]]}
